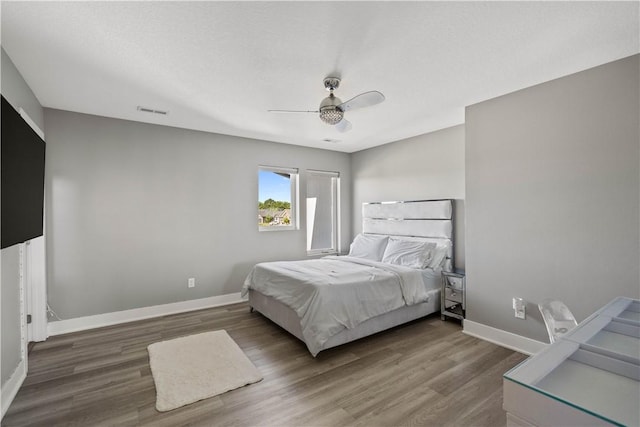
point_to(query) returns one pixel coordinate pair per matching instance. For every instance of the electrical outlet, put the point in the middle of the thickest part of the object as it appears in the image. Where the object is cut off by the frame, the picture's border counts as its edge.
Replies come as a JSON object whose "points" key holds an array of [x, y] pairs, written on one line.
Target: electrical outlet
{"points": [[519, 308], [192, 282]]}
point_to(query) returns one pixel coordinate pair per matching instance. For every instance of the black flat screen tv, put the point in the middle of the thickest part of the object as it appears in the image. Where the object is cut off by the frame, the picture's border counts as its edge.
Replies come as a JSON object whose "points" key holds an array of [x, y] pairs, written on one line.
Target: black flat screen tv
{"points": [[22, 179]]}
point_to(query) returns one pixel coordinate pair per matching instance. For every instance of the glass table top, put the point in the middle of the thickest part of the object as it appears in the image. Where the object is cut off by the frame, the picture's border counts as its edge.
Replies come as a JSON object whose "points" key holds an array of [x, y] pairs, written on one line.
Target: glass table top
{"points": [[594, 368]]}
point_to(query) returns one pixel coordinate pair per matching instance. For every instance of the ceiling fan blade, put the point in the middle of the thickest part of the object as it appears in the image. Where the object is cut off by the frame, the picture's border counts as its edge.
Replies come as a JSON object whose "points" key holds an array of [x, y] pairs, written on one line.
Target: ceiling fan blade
{"points": [[292, 111], [343, 125], [365, 99]]}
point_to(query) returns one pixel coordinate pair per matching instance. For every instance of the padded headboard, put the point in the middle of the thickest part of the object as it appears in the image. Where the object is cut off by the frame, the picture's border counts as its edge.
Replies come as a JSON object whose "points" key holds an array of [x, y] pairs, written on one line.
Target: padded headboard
{"points": [[432, 219]]}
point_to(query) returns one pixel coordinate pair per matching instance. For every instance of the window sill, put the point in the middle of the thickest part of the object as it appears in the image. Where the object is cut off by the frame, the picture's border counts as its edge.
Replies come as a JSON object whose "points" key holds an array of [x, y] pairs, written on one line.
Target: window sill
{"points": [[322, 252], [278, 228]]}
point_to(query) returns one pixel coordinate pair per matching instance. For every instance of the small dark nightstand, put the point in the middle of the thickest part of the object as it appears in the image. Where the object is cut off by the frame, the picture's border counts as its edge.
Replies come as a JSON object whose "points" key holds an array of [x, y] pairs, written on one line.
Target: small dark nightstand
{"points": [[453, 295]]}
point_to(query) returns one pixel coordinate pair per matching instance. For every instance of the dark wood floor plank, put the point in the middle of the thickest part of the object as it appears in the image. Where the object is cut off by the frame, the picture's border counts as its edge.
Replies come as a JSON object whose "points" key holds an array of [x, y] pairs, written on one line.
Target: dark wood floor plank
{"points": [[426, 372], [399, 409], [449, 410], [75, 384], [450, 380], [190, 414], [363, 401]]}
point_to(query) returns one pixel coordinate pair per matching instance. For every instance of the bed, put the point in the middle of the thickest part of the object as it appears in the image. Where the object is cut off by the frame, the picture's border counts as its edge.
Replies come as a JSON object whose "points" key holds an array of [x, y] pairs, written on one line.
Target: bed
{"points": [[392, 275]]}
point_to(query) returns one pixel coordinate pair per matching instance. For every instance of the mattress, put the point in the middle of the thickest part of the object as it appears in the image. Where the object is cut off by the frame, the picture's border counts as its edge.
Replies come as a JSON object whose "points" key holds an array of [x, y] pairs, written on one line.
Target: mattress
{"points": [[288, 319]]}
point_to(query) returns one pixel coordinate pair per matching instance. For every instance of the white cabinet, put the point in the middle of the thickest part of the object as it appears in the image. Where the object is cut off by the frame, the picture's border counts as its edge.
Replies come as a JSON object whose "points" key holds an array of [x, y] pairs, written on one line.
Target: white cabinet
{"points": [[591, 376]]}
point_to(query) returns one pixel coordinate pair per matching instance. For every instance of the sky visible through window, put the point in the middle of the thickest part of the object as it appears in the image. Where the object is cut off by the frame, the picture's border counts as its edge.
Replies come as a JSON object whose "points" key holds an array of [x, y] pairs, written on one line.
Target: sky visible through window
{"points": [[274, 186]]}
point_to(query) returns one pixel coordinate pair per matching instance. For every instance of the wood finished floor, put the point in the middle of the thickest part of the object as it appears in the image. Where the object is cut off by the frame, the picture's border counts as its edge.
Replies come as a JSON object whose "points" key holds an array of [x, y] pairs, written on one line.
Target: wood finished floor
{"points": [[425, 373]]}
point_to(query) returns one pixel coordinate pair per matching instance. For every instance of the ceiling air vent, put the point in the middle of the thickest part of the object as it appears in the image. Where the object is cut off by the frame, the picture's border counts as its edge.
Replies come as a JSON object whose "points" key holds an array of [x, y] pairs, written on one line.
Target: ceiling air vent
{"points": [[151, 110]]}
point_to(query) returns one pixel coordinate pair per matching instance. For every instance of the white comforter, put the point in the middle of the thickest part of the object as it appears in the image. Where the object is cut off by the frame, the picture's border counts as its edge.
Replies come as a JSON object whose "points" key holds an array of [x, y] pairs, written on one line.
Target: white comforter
{"points": [[333, 293]]}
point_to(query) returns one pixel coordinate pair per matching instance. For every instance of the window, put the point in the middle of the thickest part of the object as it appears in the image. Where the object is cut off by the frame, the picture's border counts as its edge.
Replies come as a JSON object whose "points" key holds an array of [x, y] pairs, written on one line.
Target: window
{"points": [[277, 198], [322, 212]]}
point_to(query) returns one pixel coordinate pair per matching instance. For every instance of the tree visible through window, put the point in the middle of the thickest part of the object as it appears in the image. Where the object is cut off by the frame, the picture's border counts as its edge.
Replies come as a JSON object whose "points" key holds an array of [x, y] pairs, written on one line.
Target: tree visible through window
{"points": [[277, 195]]}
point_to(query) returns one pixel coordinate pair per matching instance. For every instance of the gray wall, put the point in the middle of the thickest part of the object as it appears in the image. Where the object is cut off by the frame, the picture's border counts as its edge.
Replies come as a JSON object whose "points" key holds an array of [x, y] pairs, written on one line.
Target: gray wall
{"points": [[429, 166], [136, 209], [552, 197], [18, 94]]}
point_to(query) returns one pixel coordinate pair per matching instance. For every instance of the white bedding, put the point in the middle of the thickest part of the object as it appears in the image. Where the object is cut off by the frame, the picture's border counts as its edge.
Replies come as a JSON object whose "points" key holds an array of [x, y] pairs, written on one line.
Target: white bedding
{"points": [[334, 293]]}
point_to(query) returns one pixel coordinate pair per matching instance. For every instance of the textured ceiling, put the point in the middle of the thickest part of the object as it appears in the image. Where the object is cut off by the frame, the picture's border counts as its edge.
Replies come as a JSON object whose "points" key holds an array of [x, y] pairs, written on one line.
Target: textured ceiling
{"points": [[219, 66]]}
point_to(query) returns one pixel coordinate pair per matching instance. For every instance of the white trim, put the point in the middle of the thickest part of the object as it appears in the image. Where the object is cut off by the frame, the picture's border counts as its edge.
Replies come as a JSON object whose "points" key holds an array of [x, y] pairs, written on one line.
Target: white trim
{"points": [[11, 386], [294, 181], [36, 285], [323, 173], [503, 338], [117, 317], [322, 252], [334, 199], [24, 273], [291, 171], [338, 217], [30, 122]]}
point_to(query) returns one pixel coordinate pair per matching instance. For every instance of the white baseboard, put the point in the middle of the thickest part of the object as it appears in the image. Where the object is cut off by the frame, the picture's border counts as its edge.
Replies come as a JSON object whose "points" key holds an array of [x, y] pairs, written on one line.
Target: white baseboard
{"points": [[11, 386], [107, 319], [503, 338]]}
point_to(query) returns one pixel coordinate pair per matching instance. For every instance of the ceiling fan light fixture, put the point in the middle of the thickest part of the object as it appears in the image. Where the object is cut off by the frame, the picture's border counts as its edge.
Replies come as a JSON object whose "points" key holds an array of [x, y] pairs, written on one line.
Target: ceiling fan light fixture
{"points": [[332, 109], [331, 115]]}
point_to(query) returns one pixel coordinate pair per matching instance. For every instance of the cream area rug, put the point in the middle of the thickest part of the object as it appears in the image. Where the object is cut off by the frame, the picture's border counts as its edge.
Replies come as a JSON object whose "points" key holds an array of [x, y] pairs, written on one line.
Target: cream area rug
{"points": [[196, 367]]}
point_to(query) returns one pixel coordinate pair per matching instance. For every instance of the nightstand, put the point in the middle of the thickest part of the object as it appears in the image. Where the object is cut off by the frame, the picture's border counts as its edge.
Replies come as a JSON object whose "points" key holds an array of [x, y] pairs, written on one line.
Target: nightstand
{"points": [[453, 295]]}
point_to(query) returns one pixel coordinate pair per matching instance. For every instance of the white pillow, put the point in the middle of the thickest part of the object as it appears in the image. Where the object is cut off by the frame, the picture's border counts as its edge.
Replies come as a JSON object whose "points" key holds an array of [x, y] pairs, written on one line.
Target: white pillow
{"points": [[409, 253], [368, 246], [438, 257]]}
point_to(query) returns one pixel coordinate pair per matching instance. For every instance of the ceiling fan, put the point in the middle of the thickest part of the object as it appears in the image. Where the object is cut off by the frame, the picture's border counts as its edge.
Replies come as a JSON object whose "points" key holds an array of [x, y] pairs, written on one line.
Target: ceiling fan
{"points": [[332, 109]]}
